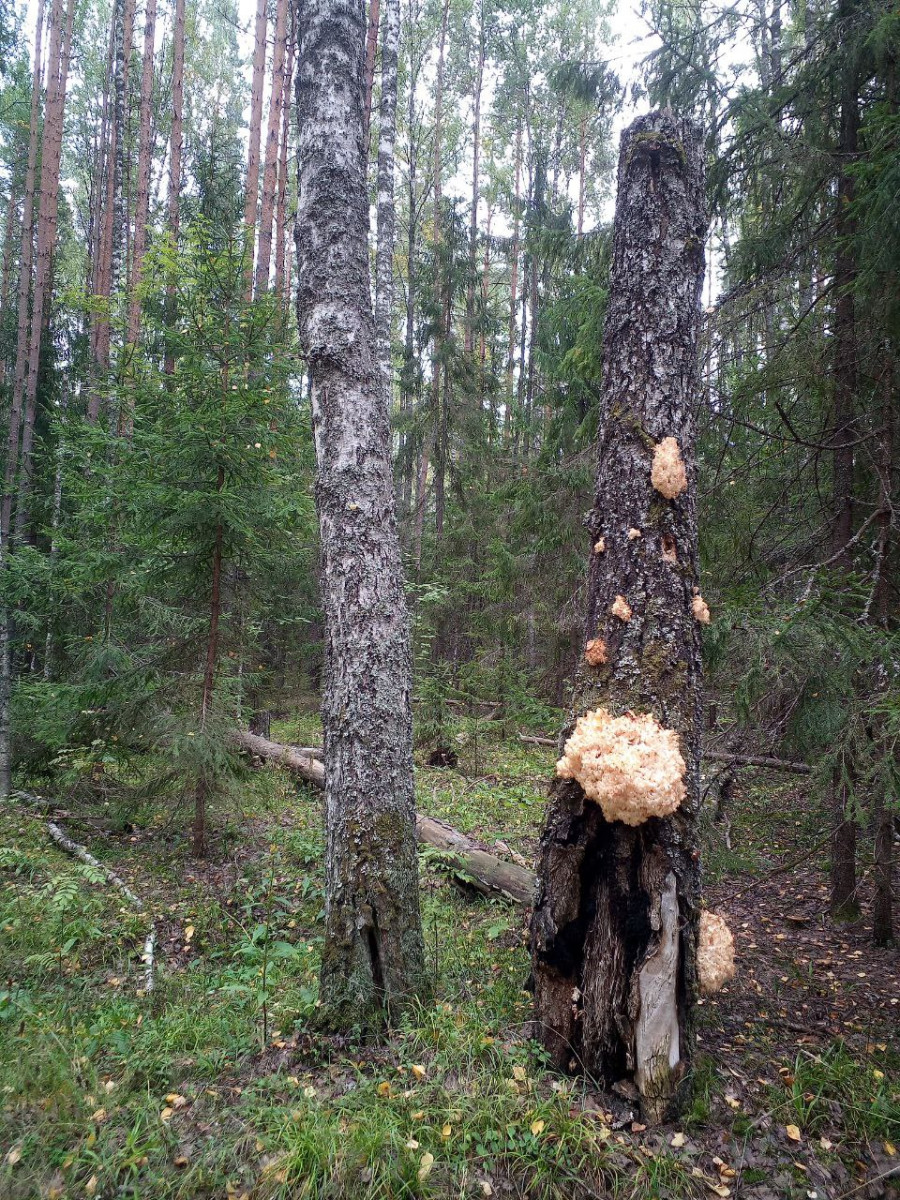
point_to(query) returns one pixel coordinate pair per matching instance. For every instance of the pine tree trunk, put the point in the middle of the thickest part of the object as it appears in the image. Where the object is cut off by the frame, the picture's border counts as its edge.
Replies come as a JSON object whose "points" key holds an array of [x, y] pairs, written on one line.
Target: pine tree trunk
{"points": [[251, 187], [373, 958], [513, 288], [473, 215], [26, 259], [175, 152], [9, 239], [384, 259], [142, 199], [883, 905], [273, 133], [57, 75], [615, 926], [438, 414]]}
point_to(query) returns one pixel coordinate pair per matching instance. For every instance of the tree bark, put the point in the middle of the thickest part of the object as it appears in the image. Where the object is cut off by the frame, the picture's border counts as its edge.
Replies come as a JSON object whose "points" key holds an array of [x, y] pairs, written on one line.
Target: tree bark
{"points": [[846, 380], [57, 75], [26, 259], [142, 198], [251, 191], [883, 905], [384, 260], [371, 47], [373, 958], [281, 216], [476, 157], [615, 928], [273, 133]]}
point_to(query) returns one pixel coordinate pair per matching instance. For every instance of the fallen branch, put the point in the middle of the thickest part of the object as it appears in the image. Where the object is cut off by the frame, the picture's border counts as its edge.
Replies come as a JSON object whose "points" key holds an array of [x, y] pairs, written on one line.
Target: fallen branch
{"points": [[58, 834], [534, 739], [758, 760], [483, 871]]}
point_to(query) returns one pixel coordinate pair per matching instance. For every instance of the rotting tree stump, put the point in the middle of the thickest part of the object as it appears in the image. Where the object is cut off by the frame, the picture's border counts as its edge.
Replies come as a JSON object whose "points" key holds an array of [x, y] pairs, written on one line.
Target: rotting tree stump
{"points": [[614, 932]]}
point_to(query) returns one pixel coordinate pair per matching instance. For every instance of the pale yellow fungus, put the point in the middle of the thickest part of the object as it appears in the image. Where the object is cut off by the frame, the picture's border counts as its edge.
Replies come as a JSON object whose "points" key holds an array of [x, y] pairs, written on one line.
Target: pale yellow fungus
{"points": [[631, 766]]}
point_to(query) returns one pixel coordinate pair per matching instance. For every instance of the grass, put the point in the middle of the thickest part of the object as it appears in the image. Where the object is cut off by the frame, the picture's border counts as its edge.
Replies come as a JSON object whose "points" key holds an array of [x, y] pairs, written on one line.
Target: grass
{"points": [[216, 1085]]}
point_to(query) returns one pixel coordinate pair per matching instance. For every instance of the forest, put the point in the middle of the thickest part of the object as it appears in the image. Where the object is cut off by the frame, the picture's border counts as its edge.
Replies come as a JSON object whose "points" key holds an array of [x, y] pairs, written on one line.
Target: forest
{"points": [[449, 599]]}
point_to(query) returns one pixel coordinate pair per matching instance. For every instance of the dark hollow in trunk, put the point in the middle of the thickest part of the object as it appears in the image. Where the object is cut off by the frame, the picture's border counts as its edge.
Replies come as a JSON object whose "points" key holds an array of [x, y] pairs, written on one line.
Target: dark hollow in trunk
{"points": [[614, 931]]}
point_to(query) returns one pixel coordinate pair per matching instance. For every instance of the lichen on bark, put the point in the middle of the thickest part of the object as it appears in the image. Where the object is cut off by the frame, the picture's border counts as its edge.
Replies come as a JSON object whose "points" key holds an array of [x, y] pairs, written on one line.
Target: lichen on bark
{"points": [[617, 910]]}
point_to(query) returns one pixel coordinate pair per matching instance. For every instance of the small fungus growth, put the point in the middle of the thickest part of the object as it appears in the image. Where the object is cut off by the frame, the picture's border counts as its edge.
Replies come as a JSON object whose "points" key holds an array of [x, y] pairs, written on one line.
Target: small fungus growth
{"points": [[715, 953], [633, 534], [631, 766], [599, 545], [700, 609], [667, 474], [595, 652], [621, 608]]}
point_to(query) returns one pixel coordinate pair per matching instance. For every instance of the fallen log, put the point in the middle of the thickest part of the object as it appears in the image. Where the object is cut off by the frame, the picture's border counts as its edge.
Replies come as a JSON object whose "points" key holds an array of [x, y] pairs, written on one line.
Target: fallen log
{"points": [[484, 872], [62, 839]]}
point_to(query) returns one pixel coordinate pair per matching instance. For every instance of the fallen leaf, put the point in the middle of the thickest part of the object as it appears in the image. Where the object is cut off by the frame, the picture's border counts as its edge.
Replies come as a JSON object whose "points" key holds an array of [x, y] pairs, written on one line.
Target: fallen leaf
{"points": [[99, 1116], [537, 1127], [678, 1140], [412, 1144], [486, 1189], [175, 1100], [890, 1149], [310, 1092], [383, 1089], [426, 1162], [91, 1186], [418, 1072], [13, 1156], [446, 1130], [519, 1073], [825, 1144], [167, 1114], [793, 1133], [188, 933]]}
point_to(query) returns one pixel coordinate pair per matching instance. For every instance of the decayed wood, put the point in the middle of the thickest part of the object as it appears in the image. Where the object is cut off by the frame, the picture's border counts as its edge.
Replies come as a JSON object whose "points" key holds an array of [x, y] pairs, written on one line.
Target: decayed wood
{"points": [[615, 925], [485, 872], [62, 839]]}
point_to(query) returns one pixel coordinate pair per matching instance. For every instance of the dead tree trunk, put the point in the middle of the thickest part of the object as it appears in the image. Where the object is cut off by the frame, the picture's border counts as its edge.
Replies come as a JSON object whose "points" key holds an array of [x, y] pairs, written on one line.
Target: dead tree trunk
{"points": [[373, 959], [614, 932]]}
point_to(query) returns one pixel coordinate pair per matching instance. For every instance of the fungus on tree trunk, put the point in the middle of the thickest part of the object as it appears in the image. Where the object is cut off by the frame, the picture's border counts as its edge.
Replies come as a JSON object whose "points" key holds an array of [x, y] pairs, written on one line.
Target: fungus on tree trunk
{"points": [[616, 921]]}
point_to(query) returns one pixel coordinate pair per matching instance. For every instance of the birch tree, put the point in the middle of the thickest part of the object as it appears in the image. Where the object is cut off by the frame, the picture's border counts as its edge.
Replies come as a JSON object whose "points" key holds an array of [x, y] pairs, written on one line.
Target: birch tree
{"points": [[373, 957]]}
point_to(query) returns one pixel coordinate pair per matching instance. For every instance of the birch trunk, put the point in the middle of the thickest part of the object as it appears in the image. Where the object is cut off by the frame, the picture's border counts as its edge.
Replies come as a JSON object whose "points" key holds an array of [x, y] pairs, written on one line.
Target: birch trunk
{"points": [[273, 133], [373, 959], [615, 927], [371, 47], [384, 259]]}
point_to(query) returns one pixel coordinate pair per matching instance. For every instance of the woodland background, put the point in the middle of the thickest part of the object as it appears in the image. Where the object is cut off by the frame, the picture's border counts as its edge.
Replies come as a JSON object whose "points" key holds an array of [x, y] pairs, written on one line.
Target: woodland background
{"points": [[158, 535]]}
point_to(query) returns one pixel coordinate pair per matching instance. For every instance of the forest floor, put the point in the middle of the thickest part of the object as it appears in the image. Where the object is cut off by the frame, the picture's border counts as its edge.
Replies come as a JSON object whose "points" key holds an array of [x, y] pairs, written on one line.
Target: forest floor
{"points": [[214, 1085]]}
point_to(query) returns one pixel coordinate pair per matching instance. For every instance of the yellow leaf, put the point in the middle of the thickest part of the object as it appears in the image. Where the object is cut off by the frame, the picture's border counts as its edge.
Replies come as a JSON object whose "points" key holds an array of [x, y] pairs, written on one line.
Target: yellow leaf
{"points": [[175, 1100], [167, 1114], [417, 1116], [537, 1127], [99, 1116], [793, 1133], [13, 1156], [418, 1072], [678, 1140], [188, 933], [426, 1162], [384, 1088], [719, 1188], [181, 1161], [446, 1130], [825, 1144], [412, 1144], [310, 1092], [486, 1189], [519, 1073], [879, 1075], [890, 1149], [91, 1186]]}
